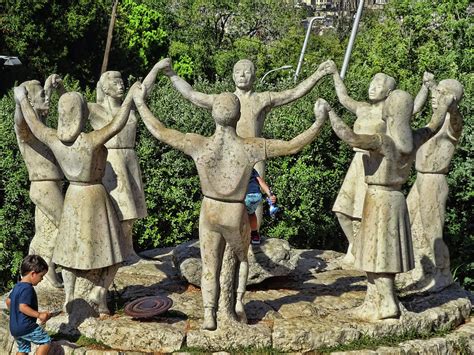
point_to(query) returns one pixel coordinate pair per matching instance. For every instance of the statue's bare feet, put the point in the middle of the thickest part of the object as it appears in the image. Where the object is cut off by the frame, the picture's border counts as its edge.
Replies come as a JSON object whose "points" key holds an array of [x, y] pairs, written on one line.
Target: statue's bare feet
{"points": [[366, 312], [388, 308], [53, 279], [210, 322], [347, 262], [240, 311]]}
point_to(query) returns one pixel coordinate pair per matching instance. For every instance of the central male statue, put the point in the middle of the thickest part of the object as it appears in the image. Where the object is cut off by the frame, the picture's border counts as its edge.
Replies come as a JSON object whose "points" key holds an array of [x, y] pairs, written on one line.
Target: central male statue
{"points": [[255, 106], [224, 162]]}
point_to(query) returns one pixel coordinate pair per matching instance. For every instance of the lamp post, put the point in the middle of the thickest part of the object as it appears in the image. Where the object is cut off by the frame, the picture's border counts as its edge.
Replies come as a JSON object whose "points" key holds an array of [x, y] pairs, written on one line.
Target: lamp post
{"points": [[271, 71], [355, 26], [305, 43], [9, 60]]}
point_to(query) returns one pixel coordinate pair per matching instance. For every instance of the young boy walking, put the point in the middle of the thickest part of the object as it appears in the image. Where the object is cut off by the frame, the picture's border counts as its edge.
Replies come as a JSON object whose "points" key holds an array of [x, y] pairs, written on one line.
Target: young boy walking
{"points": [[23, 305], [253, 198]]}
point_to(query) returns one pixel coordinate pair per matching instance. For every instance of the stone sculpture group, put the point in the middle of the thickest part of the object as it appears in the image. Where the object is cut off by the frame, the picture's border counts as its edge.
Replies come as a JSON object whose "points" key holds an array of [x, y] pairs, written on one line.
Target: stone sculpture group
{"points": [[88, 231]]}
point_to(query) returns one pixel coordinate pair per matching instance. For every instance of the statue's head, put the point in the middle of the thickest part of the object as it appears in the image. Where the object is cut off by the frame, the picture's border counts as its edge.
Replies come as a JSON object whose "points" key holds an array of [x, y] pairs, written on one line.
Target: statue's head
{"points": [[397, 112], [380, 87], [37, 97], [110, 84], [447, 86], [226, 109], [244, 74], [72, 113]]}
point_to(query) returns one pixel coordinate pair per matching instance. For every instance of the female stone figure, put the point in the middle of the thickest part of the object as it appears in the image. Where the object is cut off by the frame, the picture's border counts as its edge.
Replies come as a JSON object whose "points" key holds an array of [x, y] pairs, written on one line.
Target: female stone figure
{"points": [[122, 178], [91, 238], [383, 247], [350, 199], [427, 198], [44, 174]]}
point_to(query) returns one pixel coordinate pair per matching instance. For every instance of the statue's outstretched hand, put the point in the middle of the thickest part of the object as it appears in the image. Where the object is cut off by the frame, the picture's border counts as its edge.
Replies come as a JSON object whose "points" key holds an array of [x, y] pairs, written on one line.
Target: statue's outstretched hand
{"points": [[321, 109], [139, 92], [429, 80], [166, 66], [19, 93], [328, 67]]}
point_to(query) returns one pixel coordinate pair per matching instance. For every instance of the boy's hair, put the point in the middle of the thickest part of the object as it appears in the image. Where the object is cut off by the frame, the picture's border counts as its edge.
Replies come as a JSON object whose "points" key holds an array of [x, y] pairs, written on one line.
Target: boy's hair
{"points": [[33, 263]]}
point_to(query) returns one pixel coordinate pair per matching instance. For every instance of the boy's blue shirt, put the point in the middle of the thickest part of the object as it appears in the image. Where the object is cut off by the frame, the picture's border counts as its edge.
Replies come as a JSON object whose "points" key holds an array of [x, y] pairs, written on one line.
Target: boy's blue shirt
{"points": [[20, 323], [253, 187]]}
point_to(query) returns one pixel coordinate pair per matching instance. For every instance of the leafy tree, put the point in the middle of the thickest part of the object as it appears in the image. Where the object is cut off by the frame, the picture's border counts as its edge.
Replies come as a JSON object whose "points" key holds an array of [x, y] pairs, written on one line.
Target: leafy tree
{"points": [[55, 36], [141, 37]]}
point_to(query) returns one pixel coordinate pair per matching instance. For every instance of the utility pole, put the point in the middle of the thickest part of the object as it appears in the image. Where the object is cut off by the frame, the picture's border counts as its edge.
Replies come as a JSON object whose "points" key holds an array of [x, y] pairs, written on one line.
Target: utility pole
{"points": [[105, 62]]}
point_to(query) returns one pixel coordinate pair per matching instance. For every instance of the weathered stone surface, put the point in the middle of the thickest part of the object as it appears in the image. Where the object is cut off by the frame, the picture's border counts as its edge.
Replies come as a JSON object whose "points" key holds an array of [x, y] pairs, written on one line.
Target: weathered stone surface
{"points": [[153, 336], [230, 335], [302, 311], [449, 308], [274, 257]]}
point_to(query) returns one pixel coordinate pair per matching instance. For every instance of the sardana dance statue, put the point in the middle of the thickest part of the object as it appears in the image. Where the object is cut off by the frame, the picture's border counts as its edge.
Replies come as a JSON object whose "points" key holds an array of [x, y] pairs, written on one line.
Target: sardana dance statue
{"points": [[427, 198], [44, 174], [255, 106], [350, 199], [122, 178], [91, 236], [224, 162], [383, 247]]}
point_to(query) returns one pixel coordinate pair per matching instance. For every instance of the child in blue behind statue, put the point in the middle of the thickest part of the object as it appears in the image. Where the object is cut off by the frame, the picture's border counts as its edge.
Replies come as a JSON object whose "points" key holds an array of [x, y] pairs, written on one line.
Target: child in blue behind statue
{"points": [[23, 305], [253, 199]]}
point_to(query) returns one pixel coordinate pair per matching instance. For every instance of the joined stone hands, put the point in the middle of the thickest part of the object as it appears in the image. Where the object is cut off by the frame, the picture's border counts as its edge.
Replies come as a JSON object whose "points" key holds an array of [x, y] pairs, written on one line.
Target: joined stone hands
{"points": [[19, 93], [321, 109]]}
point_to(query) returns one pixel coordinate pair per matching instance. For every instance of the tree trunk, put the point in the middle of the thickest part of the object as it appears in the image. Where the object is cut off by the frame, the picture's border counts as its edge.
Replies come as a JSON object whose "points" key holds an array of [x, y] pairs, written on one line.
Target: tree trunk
{"points": [[105, 62]]}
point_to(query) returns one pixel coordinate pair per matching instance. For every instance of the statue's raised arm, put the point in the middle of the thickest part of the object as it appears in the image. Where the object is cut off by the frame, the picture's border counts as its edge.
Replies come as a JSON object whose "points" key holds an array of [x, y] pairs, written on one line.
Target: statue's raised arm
{"points": [[276, 147], [341, 91], [420, 99], [345, 133], [184, 88], [169, 136], [287, 96], [444, 100]]}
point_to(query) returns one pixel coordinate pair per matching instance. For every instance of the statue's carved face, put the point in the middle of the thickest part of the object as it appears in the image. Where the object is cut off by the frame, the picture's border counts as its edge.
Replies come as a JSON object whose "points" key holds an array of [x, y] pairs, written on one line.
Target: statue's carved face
{"points": [[378, 89], [243, 75], [37, 98], [113, 86]]}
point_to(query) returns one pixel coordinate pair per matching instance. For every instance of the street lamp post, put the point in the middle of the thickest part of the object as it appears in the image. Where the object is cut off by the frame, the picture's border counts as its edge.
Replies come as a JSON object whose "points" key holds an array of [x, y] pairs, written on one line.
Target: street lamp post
{"points": [[271, 71], [355, 26], [305, 43]]}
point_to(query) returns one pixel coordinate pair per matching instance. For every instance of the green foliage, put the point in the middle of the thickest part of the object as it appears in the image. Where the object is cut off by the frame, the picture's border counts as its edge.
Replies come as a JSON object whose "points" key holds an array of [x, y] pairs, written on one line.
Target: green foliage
{"points": [[16, 213], [51, 36], [140, 28]]}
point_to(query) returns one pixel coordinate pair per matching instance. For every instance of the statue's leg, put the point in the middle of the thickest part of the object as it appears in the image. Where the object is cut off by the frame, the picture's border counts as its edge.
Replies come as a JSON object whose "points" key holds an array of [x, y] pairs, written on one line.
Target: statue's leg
{"points": [[129, 253], [432, 214], [47, 216], [238, 240], [367, 310], [212, 246], [388, 304], [347, 225], [98, 294], [69, 279]]}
